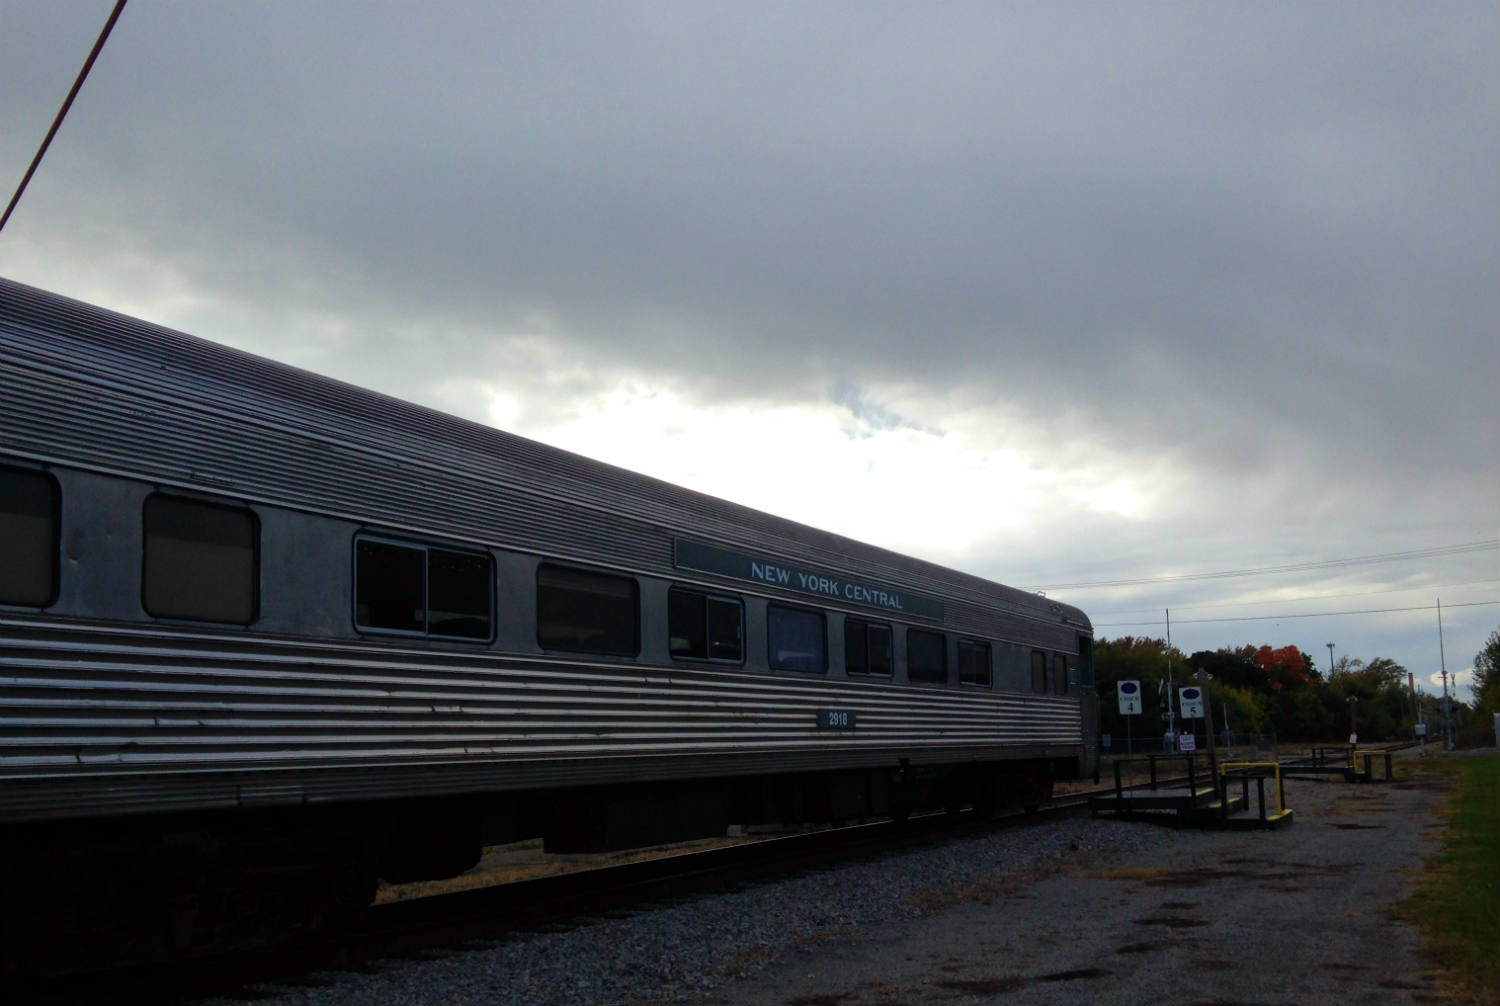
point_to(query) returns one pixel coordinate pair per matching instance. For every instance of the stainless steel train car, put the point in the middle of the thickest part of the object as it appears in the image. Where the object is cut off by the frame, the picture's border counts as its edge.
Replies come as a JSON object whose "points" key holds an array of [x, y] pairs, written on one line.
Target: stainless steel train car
{"points": [[266, 637]]}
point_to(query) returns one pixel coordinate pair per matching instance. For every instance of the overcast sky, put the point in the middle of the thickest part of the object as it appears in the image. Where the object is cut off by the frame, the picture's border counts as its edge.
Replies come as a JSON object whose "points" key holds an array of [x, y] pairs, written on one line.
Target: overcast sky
{"points": [[1052, 293]]}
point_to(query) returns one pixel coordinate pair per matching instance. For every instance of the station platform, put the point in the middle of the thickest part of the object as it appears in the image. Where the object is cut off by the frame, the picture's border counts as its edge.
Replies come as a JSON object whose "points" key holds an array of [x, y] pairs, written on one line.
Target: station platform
{"points": [[1222, 803], [1346, 763]]}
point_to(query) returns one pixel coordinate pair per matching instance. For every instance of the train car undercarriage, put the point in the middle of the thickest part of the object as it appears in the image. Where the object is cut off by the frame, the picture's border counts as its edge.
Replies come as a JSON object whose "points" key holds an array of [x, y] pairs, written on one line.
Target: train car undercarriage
{"points": [[110, 892]]}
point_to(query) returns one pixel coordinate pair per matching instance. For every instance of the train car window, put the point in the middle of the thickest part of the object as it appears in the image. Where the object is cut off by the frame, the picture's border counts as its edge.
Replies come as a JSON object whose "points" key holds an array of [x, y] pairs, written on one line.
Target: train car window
{"points": [[1085, 660], [581, 611], [1010, 665], [705, 626], [1060, 674], [29, 508], [973, 663], [201, 561], [926, 656], [458, 594], [421, 589], [798, 640], [867, 648], [390, 586], [726, 629], [1038, 671]]}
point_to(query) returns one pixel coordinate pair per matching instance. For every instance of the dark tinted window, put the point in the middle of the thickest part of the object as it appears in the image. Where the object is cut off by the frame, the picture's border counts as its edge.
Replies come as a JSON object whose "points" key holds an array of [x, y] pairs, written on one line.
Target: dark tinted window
{"points": [[458, 594], [1085, 660], [403, 587], [704, 626], [586, 612], [797, 639], [28, 537], [926, 656], [1011, 664], [1060, 674], [687, 624], [726, 629], [867, 647], [973, 663], [200, 561], [390, 586], [1038, 671]]}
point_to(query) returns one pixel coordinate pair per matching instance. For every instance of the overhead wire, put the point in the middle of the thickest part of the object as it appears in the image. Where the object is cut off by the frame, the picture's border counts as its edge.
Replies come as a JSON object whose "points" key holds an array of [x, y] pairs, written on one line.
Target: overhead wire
{"points": [[1308, 614], [1360, 560], [88, 65], [1426, 588]]}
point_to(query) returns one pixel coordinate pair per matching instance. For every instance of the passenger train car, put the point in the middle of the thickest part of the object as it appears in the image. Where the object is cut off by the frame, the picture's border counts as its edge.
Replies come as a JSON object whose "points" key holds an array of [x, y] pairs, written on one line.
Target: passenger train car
{"points": [[266, 637]]}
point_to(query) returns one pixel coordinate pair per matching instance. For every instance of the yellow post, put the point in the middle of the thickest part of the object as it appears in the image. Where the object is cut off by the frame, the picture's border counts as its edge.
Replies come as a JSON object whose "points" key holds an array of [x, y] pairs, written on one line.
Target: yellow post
{"points": [[1275, 770]]}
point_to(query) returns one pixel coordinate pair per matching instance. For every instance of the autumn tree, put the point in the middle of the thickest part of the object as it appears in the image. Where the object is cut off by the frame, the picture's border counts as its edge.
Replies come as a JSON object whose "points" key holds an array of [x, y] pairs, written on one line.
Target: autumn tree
{"points": [[1480, 728], [1287, 666], [1487, 668]]}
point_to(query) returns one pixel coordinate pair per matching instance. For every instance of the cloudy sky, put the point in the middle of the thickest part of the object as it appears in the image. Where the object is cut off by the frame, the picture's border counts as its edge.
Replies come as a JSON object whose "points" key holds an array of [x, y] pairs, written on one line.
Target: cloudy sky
{"points": [[1087, 298]]}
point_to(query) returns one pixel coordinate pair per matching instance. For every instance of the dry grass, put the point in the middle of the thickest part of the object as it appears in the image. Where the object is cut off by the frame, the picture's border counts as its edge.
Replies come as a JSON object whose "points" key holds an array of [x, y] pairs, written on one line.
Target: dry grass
{"points": [[506, 864], [1129, 873], [1362, 801], [1455, 905]]}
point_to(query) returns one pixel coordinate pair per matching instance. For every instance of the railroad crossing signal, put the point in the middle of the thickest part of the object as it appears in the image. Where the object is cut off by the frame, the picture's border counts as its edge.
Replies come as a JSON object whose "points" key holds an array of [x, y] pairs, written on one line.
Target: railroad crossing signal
{"points": [[1130, 697]]}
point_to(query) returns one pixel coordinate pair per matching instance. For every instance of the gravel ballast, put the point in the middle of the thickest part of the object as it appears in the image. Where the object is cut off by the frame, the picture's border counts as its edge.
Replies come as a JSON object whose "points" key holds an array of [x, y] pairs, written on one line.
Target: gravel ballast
{"points": [[1066, 910]]}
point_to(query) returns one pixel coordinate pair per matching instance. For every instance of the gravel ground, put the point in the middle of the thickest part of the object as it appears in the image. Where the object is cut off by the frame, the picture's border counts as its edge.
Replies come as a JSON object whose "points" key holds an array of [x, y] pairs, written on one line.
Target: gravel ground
{"points": [[1066, 911]]}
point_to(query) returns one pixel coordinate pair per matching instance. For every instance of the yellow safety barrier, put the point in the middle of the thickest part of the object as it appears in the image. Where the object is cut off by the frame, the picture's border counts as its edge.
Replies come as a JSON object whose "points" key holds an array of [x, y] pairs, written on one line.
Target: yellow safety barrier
{"points": [[1275, 770]]}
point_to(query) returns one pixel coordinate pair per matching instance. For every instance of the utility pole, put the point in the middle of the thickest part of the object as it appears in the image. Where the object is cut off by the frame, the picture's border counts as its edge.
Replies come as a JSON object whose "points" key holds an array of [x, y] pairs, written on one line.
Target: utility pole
{"points": [[1171, 708], [1443, 663]]}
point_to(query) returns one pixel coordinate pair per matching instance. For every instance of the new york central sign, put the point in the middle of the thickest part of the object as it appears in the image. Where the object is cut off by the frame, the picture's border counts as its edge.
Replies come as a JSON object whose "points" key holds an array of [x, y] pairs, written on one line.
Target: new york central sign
{"points": [[787, 576]]}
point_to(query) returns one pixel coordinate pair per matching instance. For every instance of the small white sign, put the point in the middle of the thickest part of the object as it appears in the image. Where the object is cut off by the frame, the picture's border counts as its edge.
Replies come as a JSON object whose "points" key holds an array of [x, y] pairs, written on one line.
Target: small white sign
{"points": [[1421, 729], [1130, 697], [1187, 742], [1190, 702]]}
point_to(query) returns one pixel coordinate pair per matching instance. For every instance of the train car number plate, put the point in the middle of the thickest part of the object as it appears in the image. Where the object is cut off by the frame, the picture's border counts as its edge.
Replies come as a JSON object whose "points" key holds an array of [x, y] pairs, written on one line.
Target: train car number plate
{"points": [[835, 719]]}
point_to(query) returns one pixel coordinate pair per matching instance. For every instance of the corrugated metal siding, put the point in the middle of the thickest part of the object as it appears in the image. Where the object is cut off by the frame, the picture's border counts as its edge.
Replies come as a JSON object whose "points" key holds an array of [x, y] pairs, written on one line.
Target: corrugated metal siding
{"points": [[132, 718], [90, 388], [80, 702]]}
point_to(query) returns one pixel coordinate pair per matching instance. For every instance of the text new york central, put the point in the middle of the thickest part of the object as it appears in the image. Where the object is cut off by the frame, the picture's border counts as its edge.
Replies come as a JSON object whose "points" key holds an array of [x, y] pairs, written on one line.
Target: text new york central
{"points": [[827, 586]]}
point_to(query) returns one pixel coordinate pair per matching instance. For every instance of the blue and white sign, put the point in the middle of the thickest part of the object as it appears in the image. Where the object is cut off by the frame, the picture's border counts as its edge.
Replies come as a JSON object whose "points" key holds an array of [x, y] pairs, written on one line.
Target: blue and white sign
{"points": [[1130, 697], [1190, 702]]}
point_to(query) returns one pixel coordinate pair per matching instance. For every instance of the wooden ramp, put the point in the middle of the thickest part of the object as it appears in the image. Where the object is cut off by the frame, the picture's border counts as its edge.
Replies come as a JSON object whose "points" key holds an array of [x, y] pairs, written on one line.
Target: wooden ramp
{"points": [[1344, 762], [1223, 803]]}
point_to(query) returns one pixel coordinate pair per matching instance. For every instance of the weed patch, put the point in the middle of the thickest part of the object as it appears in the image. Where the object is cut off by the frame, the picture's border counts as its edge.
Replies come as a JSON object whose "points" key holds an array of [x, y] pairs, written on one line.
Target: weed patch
{"points": [[985, 986], [1454, 905]]}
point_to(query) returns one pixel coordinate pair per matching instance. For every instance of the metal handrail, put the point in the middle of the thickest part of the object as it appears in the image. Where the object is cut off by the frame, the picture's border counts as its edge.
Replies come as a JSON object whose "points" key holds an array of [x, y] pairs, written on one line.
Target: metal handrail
{"points": [[1151, 760], [1259, 771]]}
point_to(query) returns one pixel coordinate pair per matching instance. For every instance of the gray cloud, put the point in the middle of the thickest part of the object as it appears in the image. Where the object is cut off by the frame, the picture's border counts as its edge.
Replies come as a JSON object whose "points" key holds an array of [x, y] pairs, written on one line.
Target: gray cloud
{"points": [[1257, 242]]}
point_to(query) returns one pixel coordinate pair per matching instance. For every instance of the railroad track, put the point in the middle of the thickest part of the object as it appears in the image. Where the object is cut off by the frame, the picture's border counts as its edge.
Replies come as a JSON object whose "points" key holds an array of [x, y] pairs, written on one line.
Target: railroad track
{"points": [[542, 901], [415, 926]]}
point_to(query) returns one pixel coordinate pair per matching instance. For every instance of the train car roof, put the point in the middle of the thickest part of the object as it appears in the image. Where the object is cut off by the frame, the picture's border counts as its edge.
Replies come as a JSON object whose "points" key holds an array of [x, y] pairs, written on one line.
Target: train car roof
{"points": [[194, 414]]}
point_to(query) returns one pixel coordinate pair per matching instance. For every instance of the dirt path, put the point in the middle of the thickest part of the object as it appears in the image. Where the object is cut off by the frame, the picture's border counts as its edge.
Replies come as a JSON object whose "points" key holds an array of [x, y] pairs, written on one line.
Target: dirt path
{"points": [[1295, 915]]}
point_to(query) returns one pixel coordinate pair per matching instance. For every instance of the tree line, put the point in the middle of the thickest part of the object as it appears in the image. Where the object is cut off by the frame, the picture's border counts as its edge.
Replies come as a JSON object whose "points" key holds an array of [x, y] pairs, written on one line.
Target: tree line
{"points": [[1281, 691]]}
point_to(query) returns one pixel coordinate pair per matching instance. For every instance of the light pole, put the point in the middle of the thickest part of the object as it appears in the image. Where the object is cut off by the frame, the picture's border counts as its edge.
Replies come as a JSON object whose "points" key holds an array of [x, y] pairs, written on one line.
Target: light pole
{"points": [[1330, 658]]}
